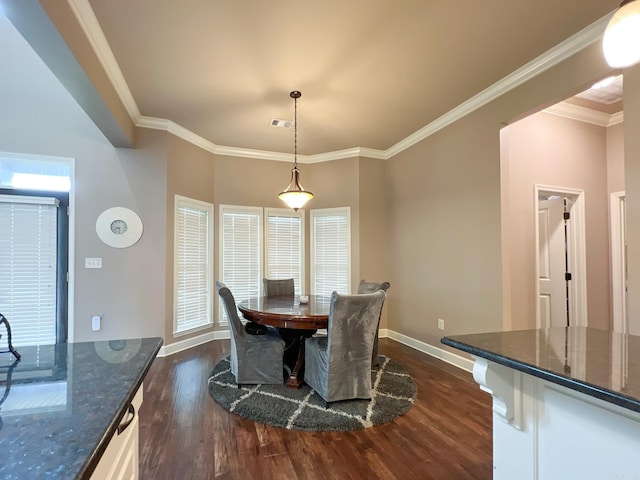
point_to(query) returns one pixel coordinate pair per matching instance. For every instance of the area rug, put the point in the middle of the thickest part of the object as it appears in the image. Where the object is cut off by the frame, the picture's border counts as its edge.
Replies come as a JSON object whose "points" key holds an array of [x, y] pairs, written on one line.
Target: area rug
{"points": [[394, 392]]}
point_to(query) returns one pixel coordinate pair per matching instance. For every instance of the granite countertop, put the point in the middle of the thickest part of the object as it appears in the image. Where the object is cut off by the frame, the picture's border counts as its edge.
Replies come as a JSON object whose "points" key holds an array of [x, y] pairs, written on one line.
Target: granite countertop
{"points": [[599, 363], [61, 404]]}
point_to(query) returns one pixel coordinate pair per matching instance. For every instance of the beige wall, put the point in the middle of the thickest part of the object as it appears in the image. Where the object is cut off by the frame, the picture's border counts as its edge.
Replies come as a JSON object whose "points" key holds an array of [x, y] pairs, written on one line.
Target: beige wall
{"points": [[446, 247], [632, 182], [190, 174], [615, 158], [445, 232], [374, 221], [554, 151]]}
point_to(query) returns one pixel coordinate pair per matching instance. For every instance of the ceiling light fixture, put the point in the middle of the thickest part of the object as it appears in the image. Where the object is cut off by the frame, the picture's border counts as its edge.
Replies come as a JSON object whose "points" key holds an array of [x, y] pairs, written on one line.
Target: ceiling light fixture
{"points": [[621, 41], [294, 195]]}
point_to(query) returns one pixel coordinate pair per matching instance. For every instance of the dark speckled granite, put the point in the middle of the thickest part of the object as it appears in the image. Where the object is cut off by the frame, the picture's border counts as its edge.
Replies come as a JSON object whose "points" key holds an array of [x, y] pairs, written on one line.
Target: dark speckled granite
{"points": [[599, 363], [63, 403]]}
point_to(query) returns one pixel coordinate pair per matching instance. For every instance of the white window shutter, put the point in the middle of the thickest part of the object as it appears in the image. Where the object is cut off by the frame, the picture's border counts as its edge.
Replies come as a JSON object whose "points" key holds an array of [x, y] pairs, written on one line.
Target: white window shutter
{"points": [[330, 251], [284, 246], [193, 247], [28, 268], [241, 252]]}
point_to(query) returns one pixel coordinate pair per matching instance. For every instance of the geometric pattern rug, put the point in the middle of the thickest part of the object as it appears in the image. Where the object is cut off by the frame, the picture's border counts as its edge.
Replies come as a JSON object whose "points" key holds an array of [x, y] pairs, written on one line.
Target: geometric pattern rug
{"points": [[392, 395]]}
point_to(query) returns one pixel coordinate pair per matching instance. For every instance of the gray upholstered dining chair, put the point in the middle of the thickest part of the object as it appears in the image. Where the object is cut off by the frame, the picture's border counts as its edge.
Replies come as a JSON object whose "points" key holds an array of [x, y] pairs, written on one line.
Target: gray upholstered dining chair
{"points": [[254, 358], [278, 287], [369, 287], [338, 366]]}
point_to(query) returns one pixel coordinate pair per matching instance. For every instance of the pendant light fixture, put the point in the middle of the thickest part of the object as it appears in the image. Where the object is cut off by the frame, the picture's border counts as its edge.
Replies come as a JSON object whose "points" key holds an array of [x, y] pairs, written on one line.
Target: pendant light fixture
{"points": [[621, 41], [294, 195]]}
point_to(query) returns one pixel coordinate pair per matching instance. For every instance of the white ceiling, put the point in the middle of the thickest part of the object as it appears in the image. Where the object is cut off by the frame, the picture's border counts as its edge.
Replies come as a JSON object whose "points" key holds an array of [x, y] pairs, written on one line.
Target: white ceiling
{"points": [[371, 72]]}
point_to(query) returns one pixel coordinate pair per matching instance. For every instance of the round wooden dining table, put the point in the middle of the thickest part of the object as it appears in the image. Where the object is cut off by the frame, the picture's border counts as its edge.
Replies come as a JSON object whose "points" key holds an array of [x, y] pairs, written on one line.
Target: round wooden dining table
{"points": [[296, 321]]}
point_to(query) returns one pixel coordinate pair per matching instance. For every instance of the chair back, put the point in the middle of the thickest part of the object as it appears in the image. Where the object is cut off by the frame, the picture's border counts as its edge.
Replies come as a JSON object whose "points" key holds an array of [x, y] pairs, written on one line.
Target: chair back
{"points": [[352, 327], [278, 287], [370, 287], [237, 329]]}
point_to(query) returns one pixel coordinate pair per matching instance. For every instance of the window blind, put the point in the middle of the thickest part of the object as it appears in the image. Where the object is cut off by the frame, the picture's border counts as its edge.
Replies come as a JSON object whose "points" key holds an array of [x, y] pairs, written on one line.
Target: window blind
{"points": [[28, 267], [285, 246], [330, 251], [193, 246], [241, 252]]}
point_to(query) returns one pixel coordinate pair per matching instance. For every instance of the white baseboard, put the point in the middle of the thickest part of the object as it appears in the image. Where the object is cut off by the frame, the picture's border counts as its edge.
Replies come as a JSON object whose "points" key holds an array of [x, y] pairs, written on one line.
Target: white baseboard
{"points": [[181, 345], [439, 353]]}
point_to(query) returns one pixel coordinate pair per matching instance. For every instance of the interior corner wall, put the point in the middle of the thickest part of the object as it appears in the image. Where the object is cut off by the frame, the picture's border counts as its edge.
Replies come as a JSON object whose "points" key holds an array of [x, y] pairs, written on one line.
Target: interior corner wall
{"points": [[632, 181], [190, 173], [445, 198], [374, 231], [554, 151]]}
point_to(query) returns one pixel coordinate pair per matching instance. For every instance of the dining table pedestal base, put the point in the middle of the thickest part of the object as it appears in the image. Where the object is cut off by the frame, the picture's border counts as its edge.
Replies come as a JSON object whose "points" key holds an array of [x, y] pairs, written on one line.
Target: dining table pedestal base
{"points": [[294, 354]]}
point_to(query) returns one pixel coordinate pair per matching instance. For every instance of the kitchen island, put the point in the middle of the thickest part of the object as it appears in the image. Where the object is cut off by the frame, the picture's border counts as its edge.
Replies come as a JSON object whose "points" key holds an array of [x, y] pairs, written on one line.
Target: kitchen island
{"points": [[566, 401], [69, 411]]}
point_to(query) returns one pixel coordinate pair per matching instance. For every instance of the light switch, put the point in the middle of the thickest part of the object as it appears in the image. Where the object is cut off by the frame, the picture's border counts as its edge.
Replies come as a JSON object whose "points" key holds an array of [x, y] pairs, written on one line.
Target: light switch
{"points": [[92, 262]]}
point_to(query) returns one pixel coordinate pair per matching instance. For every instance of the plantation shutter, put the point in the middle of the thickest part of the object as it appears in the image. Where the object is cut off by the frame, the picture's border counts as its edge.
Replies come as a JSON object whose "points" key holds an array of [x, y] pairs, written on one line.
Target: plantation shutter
{"points": [[28, 267], [330, 251], [285, 246], [241, 252], [193, 264]]}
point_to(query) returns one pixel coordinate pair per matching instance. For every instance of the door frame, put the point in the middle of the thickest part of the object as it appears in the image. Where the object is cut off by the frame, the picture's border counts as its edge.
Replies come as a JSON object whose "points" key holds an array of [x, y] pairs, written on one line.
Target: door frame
{"points": [[576, 250], [618, 254]]}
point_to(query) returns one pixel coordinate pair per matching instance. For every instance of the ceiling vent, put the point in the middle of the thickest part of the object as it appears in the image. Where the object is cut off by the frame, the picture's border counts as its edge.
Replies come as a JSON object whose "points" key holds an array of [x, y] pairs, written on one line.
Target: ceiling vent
{"points": [[276, 122]]}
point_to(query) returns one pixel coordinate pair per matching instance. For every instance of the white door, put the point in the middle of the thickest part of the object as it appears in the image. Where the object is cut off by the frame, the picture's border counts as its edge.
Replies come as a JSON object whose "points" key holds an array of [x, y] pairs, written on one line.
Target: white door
{"points": [[619, 298], [552, 266]]}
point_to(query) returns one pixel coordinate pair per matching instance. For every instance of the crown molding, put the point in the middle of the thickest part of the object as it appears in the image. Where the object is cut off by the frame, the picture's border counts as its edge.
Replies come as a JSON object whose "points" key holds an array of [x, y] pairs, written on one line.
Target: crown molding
{"points": [[583, 114], [89, 23], [91, 27], [615, 119], [550, 58]]}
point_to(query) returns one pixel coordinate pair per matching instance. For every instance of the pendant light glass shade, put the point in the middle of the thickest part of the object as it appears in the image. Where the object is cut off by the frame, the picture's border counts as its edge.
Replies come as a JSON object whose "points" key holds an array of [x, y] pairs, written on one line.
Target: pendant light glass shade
{"points": [[294, 195], [621, 41]]}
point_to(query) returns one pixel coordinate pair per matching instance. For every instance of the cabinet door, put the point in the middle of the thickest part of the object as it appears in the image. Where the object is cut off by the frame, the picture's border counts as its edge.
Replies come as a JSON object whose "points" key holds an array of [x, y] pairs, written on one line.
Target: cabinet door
{"points": [[120, 459]]}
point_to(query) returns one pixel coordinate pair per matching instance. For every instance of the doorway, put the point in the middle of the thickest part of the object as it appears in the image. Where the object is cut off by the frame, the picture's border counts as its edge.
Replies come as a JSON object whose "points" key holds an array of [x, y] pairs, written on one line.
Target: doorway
{"points": [[560, 266]]}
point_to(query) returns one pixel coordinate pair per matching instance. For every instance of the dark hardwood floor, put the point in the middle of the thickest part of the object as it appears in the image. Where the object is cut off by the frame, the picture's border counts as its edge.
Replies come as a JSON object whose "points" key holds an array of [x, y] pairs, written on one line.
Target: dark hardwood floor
{"points": [[185, 434]]}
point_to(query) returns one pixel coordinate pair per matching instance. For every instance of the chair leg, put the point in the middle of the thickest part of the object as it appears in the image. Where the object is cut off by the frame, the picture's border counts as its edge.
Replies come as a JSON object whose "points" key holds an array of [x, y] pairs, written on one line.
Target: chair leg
{"points": [[327, 405]]}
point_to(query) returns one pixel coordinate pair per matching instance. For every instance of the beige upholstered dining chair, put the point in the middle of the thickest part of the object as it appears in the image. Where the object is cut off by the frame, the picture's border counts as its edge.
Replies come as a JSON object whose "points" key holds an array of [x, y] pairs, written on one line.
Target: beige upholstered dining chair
{"points": [[254, 358], [338, 366], [278, 287], [369, 287]]}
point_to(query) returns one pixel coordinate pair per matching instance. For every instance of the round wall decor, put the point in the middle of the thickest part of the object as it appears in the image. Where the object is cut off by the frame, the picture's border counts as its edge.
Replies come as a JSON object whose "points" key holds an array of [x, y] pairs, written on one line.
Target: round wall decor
{"points": [[119, 227]]}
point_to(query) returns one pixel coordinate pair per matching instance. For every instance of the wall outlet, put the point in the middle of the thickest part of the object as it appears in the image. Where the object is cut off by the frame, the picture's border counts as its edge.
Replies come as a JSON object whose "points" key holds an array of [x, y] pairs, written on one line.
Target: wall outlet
{"points": [[440, 324], [93, 263], [95, 322]]}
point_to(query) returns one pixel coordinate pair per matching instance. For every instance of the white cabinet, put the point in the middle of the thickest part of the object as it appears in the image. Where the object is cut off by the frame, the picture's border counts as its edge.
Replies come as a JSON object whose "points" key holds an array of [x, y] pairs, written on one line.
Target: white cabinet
{"points": [[120, 459], [545, 431]]}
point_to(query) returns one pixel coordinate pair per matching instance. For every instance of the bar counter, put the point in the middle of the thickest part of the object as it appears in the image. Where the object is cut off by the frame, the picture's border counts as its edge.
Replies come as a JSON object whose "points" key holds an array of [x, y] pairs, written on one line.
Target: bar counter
{"points": [[566, 401], [60, 405], [599, 363]]}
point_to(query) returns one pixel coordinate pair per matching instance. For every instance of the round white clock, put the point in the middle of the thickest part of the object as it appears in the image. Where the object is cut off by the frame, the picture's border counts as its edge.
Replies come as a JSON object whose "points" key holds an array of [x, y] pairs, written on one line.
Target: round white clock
{"points": [[119, 227]]}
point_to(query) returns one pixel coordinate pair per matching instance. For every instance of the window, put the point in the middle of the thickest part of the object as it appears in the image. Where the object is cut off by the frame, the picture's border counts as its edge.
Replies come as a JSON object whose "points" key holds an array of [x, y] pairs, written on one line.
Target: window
{"points": [[284, 245], [193, 260], [241, 252], [330, 251], [34, 246], [28, 267]]}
